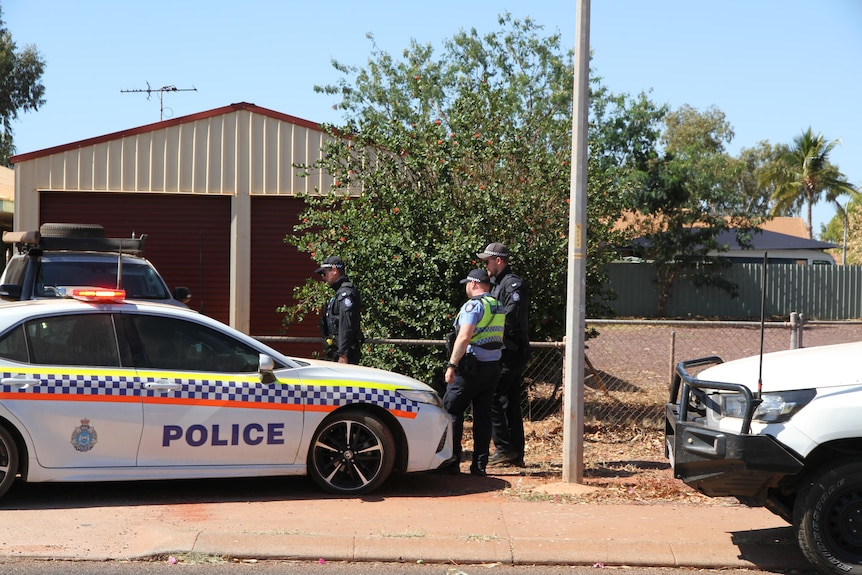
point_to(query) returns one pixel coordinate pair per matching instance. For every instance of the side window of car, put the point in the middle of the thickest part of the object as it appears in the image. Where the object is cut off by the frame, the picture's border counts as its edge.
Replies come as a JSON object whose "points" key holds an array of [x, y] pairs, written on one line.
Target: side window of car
{"points": [[13, 346], [175, 344], [81, 339]]}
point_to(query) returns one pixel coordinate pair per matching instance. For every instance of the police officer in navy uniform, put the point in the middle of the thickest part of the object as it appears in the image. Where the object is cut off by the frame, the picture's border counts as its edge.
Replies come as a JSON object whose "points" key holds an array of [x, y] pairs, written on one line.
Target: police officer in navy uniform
{"points": [[474, 369], [508, 423], [339, 321]]}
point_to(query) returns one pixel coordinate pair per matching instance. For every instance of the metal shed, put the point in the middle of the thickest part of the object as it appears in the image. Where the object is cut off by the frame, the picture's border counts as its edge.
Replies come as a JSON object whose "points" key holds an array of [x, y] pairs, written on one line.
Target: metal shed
{"points": [[215, 192]]}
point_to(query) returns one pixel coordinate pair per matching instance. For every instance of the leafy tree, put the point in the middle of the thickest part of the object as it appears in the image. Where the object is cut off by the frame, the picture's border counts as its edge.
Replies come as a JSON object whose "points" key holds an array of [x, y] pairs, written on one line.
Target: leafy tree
{"points": [[802, 174], [20, 86], [751, 195], [453, 152], [854, 235], [846, 225], [688, 191]]}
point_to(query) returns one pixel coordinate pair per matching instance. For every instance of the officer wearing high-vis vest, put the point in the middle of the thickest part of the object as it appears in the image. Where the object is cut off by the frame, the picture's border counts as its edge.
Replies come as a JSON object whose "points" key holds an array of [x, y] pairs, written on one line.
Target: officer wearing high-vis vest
{"points": [[339, 321], [474, 368]]}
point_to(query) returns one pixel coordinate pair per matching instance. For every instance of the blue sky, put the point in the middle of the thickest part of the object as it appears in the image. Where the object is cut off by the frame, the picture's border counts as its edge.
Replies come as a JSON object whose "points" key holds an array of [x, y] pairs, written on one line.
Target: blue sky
{"points": [[774, 67]]}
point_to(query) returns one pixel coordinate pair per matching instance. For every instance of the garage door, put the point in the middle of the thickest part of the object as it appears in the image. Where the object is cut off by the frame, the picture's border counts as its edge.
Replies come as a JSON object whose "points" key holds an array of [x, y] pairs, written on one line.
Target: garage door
{"points": [[276, 268]]}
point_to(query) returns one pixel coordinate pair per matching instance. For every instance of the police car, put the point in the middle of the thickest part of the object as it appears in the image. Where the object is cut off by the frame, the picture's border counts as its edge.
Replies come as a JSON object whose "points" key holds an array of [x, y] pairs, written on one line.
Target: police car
{"points": [[97, 388]]}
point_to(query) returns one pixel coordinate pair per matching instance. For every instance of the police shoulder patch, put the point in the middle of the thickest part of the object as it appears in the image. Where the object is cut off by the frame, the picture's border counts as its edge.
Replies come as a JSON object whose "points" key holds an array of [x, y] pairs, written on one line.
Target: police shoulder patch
{"points": [[347, 302], [471, 305], [516, 296]]}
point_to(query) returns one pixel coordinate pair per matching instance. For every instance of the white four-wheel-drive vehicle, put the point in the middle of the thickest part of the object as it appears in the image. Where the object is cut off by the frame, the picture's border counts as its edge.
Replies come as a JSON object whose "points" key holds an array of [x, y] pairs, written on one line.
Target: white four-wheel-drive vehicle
{"points": [[783, 431]]}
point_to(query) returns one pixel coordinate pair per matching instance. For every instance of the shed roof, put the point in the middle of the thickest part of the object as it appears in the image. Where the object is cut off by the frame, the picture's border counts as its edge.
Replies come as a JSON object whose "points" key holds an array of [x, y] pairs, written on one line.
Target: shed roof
{"points": [[166, 124]]}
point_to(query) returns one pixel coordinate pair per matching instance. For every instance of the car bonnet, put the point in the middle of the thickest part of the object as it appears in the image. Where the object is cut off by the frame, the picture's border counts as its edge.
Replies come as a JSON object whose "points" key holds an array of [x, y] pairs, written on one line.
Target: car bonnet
{"points": [[326, 371], [811, 367]]}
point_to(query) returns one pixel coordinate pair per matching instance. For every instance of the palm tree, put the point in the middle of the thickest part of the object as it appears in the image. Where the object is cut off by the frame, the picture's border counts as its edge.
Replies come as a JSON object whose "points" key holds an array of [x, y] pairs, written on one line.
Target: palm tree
{"points": [[802, 174]]}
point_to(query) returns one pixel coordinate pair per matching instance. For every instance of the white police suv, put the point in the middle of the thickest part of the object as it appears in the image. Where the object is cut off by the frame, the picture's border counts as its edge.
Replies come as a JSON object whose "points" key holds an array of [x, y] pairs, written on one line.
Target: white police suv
{"points": [[783, 433], [97, 388]]}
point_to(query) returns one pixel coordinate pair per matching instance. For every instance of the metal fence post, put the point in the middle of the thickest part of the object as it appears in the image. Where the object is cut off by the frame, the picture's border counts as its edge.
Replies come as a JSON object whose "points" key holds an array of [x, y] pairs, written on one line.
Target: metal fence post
{"points": [[799, 329], [794, 326], [672, 353]]}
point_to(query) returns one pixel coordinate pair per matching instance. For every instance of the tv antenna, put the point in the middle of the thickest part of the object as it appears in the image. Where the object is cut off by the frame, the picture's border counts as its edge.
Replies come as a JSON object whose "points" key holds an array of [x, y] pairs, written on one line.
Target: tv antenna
{"points": [[149, 91]]}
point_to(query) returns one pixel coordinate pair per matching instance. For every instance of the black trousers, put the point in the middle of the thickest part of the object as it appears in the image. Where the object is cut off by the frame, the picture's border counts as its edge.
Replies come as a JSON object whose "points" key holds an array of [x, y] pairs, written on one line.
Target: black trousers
{"points": [[353, 356], [476, 391], [506, 418]]}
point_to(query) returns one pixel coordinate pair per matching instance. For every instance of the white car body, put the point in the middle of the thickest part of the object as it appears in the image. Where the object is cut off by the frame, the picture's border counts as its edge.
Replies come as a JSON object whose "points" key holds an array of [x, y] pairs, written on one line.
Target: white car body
{"points": [[833, 370], [97, 423], [780, 432]]}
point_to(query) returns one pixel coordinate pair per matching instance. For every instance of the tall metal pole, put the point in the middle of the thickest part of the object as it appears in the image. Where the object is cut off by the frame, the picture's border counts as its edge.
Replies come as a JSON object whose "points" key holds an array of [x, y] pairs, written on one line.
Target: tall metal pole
{"points": [[573, 395]]}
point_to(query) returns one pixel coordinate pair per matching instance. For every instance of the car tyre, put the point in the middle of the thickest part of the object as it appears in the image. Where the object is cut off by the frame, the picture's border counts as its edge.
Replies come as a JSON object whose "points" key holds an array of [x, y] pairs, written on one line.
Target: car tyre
{"points": [[828, 519], [8, 461], [61, 230], [351, 453]]}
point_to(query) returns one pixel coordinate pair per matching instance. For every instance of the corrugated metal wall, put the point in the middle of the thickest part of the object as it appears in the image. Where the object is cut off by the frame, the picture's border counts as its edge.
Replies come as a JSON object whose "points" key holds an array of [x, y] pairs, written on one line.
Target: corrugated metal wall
{"points": [[818, 292], [242, 151]]}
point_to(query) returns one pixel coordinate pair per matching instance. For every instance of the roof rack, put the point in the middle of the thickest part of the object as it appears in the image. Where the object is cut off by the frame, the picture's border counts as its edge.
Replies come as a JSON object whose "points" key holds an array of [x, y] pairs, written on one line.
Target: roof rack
{"points": [[28, 240]]}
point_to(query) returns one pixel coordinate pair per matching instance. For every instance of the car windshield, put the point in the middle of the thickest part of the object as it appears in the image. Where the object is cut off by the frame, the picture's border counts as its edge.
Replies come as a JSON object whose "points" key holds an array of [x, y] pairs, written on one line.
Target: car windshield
{"points": [[139, 280]]}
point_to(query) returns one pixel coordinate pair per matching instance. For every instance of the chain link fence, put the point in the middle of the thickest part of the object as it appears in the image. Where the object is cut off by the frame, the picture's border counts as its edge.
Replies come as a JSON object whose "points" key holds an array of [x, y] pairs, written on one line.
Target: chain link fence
{"points": [[627, 372]]}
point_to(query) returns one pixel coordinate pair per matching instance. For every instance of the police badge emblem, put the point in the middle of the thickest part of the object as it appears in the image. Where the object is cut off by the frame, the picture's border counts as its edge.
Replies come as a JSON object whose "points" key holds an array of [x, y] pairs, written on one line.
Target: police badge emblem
{"points": [[84, 437]]}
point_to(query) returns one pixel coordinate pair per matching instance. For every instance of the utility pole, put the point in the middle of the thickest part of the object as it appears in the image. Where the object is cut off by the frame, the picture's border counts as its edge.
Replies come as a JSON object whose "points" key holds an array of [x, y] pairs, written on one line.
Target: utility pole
{"points": [[149, 91], [573, 394]]}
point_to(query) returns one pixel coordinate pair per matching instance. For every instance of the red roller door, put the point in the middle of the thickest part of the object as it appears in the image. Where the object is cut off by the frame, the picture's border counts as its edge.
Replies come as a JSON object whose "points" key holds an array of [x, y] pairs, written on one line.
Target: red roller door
{"points": [[276, 268]]}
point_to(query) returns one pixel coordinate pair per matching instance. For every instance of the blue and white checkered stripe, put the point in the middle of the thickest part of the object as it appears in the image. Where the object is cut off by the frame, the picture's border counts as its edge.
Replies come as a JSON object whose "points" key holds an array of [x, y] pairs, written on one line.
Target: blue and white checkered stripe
{"points": [[210, 390], [337, 396], [69, 384]]}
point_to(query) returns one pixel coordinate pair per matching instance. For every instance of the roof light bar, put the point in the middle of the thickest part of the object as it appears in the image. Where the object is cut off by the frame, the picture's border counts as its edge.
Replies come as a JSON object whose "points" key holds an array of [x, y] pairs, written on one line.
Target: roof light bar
{"points": [[97, 294]]}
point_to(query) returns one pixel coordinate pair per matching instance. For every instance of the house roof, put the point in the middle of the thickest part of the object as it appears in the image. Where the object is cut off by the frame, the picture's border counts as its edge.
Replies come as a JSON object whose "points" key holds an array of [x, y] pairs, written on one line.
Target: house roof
{"points": [[786, 225], [166, 124], [770, 240], [761, 240]]}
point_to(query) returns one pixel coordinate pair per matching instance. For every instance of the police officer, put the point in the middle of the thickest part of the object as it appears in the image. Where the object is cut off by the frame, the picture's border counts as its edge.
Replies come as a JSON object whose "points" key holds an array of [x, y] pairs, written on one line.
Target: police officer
{"points": [[507, 421], [474, 369], [339, 321]]}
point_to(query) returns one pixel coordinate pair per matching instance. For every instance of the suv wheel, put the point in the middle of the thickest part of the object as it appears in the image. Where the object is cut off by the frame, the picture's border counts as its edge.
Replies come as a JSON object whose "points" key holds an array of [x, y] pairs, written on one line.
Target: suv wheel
{"points": [[828, 519]]}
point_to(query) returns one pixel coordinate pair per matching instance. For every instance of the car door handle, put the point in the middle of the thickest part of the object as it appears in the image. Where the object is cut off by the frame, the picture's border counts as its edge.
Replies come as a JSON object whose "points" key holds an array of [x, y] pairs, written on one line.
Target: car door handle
{"points": [[163, 385], [20, 381]]}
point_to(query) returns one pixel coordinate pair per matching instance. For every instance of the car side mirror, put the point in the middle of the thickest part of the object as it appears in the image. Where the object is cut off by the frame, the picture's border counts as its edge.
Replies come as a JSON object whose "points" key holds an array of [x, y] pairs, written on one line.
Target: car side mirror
{"points": [[10, 292], [182, 294], [266, 366]]}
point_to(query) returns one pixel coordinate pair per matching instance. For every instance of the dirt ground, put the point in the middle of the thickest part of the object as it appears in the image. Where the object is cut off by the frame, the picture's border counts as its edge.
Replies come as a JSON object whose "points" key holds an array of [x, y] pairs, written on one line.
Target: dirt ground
{"points": [[629, 469]]}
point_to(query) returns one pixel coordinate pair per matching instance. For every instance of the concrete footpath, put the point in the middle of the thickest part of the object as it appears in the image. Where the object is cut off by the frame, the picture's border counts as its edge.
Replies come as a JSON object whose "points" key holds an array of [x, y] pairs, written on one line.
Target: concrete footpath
{"points": [[480, 524]]}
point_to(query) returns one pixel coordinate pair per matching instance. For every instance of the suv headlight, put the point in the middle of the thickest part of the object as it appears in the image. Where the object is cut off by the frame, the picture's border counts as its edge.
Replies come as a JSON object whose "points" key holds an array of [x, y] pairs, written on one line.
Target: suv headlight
{"points": [[774, 407], [419, 396]]}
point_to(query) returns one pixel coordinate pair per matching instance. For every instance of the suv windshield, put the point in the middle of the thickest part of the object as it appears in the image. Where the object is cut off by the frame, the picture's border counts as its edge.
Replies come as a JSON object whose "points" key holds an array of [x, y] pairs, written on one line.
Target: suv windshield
{"points": [[139, 280]]}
